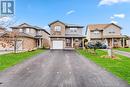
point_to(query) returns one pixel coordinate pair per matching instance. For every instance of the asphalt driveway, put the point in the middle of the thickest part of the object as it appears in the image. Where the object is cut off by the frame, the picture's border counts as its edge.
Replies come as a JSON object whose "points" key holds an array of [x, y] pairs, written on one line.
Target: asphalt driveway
{"points": [[58, 69]]}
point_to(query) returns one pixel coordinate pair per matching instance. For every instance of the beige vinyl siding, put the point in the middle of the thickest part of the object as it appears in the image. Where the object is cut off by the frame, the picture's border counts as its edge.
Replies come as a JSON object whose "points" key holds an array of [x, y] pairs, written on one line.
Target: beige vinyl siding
{"points": [[96, 35], [117, 30], [88, 36], [78, 31]]}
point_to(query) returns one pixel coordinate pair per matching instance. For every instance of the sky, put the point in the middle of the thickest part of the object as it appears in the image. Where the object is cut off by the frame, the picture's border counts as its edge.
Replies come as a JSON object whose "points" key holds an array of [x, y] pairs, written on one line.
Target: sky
{"points": [[83, 12]]}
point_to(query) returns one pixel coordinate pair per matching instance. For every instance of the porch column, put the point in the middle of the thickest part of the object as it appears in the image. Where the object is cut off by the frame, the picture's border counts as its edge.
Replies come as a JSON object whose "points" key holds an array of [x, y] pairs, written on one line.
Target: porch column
{"points": [[41, 43], [112, 42], [106, 42], [123, 42], [72, 43], [37, 43], [83, 43]]}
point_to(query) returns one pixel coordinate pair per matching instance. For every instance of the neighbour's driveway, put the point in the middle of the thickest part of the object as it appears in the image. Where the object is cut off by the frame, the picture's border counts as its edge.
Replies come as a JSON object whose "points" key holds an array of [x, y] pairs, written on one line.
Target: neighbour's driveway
{"points": [[127, 54], [58, 69]]}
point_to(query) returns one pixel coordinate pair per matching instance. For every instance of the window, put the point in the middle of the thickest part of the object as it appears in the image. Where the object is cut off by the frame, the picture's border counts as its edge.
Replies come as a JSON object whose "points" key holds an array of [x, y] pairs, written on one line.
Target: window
{"points": [[20, 30], [58, 28], [96, 32], [73, 29], [76, 40], [111, 31], [115, 40], [27, 30]]}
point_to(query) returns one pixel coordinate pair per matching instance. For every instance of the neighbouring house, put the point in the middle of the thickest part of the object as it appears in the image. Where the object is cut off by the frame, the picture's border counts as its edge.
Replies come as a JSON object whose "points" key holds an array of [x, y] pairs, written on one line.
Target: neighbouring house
{"points": [[4, 44], [2, 30], [28, 38], [128, 42], [65, 36], [109, 34]]}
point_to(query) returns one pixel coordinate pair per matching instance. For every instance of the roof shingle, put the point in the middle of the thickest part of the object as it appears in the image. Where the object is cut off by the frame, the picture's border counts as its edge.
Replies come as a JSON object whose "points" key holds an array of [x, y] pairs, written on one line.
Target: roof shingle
{"points": [[100, 26]]}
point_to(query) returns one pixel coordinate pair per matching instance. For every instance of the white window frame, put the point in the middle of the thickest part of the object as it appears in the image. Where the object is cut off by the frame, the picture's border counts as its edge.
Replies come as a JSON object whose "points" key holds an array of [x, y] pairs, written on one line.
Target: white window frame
{"points": [[96, 32], [27, 30], [58, 28], [20, 30], [111, 30], [73, 30]]}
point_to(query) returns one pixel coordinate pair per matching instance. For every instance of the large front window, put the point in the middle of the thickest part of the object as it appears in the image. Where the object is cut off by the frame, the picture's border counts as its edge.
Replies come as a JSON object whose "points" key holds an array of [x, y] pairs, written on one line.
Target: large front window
{"points": [[58, 28]]}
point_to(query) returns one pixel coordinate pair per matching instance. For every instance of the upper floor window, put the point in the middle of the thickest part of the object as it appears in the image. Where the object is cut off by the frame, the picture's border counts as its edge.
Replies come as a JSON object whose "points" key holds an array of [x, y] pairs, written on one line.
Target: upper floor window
{"points": [[27, 30], [111, 31], [73, 29], [96, 32], [20, 30], [38, 32], [58, 28]]}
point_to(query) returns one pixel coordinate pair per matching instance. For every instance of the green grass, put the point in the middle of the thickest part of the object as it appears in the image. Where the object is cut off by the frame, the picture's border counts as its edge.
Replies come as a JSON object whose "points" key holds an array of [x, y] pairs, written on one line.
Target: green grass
{"points": [[123, 49], [119, 67], [8, 60]]}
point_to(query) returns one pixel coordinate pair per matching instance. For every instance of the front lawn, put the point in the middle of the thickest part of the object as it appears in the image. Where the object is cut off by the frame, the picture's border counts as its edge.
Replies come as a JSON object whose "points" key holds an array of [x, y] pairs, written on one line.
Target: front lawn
{"points": [[123, 49], [8, 60], [120, 67]]}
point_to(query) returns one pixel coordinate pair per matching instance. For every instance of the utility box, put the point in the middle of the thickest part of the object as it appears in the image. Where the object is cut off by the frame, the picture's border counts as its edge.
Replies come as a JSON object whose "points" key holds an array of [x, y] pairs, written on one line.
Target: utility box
{"points": [[110, 53]]}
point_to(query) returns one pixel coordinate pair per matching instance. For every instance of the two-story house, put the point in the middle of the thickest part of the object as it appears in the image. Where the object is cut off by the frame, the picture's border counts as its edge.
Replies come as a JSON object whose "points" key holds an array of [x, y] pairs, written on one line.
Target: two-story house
{"points": [[40, 36], [65, 36], [28, 38], [109, 34]]}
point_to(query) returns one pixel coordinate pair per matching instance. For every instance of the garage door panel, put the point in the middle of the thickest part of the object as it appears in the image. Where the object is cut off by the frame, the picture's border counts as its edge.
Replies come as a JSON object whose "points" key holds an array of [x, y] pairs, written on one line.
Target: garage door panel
{"points": [[57, 44]]}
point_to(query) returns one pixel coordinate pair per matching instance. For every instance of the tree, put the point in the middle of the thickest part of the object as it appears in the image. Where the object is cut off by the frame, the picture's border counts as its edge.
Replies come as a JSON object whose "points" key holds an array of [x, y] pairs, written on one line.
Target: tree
{"points": [[9, 36], [94, 46], [7, 21], [86, 44]]}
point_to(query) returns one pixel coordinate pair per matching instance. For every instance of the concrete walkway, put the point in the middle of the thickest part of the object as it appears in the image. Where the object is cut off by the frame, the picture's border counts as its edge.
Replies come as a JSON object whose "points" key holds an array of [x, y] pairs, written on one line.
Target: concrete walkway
{"points": [[5, 52], [59, 69], [127, 54]]}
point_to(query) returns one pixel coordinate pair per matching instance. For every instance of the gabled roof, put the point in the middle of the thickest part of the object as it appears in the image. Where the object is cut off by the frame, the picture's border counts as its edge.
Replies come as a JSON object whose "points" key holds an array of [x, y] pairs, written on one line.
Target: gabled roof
{"points": [[19, 34], [100, 26], [2, 28], [39, 28], [66, 24], [25, 25], [56, 21], [1, 34]]}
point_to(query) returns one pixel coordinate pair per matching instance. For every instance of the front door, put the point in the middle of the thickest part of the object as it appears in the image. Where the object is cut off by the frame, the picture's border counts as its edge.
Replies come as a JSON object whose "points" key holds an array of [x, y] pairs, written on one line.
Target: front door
{"points": [[68, 42]]}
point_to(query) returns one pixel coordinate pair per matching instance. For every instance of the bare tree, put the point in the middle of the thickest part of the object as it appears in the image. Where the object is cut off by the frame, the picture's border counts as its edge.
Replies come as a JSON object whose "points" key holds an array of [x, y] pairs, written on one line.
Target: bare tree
{"points": [[7, 21], [10, 37]]}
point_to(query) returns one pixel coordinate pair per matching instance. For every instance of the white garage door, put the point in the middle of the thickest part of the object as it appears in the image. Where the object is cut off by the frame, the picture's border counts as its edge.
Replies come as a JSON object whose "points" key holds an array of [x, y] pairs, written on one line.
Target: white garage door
{"points": [[57, 44], [19, 45]]}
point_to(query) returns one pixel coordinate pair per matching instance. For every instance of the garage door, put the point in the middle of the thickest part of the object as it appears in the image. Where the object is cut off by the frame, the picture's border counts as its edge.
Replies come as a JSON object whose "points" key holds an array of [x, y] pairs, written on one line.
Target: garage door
{"points": [[57, 44], [19, 45]]}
